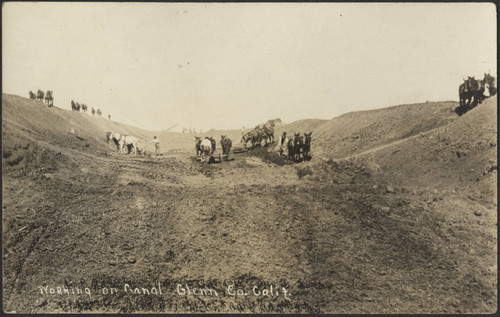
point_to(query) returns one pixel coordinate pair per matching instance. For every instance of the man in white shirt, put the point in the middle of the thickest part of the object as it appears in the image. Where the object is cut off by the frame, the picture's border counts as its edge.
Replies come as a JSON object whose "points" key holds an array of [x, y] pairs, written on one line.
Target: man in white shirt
{"points": [[157, 145]]}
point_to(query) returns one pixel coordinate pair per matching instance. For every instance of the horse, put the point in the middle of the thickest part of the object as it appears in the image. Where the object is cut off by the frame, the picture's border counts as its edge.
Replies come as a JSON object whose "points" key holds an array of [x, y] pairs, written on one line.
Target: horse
{"points": [[206, 149], [92, 111], [268, 129], [77, 107], [115, 137], [212, 140], [39, 95], [298, 145], [476, 88], [262, 134], [128, 140], [197, 145], [291, 150], [469, 93], [32, 95], [226, 145], [251, 136], [307, 145], [84, 107], [464, 94], [99, 112], [48, 97]]}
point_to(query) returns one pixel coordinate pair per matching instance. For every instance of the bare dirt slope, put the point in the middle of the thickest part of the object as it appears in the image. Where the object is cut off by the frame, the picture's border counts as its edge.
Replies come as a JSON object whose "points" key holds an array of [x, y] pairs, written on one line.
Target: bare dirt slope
{"points": [[355, 132], [372, 233]]}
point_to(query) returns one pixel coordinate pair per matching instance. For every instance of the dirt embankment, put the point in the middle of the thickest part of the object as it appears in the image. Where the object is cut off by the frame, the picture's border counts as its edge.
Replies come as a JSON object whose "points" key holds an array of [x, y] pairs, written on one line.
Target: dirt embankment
{"points": [[341, 236]]}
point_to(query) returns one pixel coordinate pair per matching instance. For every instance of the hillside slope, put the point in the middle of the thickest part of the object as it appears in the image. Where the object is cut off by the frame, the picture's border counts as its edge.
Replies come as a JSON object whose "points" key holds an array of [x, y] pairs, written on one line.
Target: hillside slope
{"points": [[33, 120], [461, 155], [359, 131]]}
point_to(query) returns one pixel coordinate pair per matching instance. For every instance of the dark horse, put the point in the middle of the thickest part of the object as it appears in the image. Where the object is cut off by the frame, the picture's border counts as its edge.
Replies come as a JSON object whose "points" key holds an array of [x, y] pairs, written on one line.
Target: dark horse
{"points": [[212, 140], [49, 99], [464, 94], [471, 93], [307, 146], [40, 94], [295, 147], [298, 144], [32, 95], [197, 145], [226, 146], [75, 106], [291, 150]]}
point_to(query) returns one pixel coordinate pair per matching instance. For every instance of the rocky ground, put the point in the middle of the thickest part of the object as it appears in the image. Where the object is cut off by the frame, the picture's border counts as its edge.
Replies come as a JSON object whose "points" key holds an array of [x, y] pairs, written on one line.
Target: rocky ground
{"points": [[358, 233]]}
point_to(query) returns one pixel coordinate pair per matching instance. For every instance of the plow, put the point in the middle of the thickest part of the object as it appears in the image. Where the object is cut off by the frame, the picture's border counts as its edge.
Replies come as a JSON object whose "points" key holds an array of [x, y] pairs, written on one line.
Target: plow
{"points": [[214, 158]]}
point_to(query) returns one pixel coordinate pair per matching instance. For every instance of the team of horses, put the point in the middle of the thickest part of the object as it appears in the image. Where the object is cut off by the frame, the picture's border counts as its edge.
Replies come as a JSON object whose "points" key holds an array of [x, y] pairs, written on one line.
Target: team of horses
{"points": [[299, 147], [124, 143], [47, 97], [472, 91], [206, 147], [76, 106], [260, 133]]}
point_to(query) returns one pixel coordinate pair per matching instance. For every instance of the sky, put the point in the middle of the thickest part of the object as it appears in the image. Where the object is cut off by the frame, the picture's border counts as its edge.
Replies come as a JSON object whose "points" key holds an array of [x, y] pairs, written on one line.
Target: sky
{"points": [[229, 65]]}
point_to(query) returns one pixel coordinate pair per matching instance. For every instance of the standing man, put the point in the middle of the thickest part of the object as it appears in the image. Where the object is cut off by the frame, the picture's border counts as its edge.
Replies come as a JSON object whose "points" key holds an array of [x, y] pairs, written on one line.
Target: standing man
{"points": [[282, 142], [157, 145]]}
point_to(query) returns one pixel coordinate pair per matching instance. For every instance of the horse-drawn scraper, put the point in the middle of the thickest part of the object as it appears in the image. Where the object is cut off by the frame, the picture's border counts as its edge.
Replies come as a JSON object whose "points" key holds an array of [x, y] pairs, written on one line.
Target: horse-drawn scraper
{"points": [[214, 158]]}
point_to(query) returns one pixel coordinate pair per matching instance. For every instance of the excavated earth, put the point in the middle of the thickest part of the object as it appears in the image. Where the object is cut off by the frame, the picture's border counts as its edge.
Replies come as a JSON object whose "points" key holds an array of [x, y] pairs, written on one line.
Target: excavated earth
{"points": [[377, 221]]}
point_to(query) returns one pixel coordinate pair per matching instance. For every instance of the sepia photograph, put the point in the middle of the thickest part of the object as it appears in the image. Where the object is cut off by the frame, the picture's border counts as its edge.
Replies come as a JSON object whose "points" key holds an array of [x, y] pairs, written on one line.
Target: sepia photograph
{"points": [[263, 158]]}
